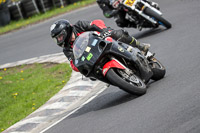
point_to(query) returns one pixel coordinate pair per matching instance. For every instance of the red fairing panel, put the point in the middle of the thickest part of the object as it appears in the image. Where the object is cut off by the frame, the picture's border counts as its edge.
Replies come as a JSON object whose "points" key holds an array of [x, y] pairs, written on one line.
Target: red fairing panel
{"points": [[111, 64], [73, 66], [99, 23]]}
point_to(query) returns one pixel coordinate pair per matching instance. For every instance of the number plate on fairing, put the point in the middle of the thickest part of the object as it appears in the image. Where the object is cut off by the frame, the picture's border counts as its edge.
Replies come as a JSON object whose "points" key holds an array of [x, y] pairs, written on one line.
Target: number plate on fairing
{"points": [[129, 2]]}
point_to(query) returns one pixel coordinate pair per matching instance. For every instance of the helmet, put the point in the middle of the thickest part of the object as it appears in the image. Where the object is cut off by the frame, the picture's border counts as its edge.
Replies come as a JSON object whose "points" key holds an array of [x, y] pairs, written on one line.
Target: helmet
{"points": [[61, 32], [115, 3]]}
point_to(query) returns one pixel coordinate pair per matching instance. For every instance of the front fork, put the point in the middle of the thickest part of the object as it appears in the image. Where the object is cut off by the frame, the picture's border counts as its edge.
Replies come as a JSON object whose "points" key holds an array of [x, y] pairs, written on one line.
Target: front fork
{"points": [[114, 63], [146, 5]]}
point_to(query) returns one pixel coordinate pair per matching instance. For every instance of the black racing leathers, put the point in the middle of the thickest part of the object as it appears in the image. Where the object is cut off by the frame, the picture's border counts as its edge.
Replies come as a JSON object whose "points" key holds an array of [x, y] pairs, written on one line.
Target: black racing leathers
{"points": [[99, 26], [118, 14]]}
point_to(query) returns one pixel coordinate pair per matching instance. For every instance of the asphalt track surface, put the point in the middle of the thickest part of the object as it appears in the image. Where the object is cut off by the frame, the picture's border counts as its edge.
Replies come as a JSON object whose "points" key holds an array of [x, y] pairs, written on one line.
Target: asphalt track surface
{"points": [[171, 105]]}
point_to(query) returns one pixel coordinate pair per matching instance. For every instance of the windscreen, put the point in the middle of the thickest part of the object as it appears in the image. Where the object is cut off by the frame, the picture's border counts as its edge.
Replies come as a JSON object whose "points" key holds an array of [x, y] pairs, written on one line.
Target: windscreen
{"points": [[81, 44]]}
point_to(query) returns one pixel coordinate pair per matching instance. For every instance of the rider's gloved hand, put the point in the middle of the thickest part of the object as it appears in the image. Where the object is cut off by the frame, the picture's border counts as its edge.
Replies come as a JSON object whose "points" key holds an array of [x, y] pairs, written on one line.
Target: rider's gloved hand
{"points": [[105, 33]]}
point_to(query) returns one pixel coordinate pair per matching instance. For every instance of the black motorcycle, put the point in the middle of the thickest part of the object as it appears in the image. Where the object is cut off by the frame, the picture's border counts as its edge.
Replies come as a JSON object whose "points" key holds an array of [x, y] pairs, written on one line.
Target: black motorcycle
{"points": [[116, 63], [142, 13]]}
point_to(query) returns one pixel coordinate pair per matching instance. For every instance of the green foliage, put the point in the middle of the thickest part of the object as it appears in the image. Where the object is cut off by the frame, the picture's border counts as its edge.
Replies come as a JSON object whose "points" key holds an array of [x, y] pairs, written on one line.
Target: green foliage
{"points": [[25, 88]]}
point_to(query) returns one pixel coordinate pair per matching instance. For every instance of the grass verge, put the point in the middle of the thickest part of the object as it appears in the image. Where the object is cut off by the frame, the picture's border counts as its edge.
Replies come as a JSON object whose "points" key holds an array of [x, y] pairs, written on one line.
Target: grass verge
{"points": [[25, 88], [40, 17]]}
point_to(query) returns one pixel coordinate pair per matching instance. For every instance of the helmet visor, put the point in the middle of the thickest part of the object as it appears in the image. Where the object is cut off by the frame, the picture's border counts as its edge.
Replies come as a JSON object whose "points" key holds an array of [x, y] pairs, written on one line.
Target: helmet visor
{"points": [[60, 38], [115, 3]]}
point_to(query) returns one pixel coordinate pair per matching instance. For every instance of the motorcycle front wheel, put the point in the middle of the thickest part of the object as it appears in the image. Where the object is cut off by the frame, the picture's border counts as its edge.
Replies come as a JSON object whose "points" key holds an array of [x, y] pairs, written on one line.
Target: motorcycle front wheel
{"points": [[129, 83], [157, 17]]}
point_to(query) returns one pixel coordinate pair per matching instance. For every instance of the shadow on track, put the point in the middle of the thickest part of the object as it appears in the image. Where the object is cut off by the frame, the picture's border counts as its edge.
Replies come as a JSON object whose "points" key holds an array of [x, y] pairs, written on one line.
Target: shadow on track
{"points": [[148, 33], [105, 101]]}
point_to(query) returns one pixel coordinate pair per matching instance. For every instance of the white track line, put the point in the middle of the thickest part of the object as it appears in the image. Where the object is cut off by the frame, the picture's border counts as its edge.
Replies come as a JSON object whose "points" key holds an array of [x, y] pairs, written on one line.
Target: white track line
{"points": [[90, 99]]}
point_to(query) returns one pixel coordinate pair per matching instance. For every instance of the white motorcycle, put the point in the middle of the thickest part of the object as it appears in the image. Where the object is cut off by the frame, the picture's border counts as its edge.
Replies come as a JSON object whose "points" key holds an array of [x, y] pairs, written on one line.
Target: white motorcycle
{"points": [[142, 13]]}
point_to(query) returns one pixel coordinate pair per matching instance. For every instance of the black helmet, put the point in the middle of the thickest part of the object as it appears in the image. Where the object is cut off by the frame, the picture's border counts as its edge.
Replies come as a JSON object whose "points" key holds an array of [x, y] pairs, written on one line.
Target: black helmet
{"points": [[61, 32]]}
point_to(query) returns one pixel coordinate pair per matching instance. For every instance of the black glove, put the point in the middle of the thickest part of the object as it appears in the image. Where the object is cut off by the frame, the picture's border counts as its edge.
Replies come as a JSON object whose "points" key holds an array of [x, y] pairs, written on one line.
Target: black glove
{"points": [[105, 33]]}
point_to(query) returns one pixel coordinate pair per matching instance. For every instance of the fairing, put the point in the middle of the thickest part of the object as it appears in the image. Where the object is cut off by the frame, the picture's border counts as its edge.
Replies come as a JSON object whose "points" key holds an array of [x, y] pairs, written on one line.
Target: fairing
{"points": [[92, 54]]}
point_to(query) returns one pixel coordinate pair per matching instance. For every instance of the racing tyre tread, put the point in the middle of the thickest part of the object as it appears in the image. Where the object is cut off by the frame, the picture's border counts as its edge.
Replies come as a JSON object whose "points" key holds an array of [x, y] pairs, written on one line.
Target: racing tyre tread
{"points": [[116, 80], [158, 70], [151, 13]]}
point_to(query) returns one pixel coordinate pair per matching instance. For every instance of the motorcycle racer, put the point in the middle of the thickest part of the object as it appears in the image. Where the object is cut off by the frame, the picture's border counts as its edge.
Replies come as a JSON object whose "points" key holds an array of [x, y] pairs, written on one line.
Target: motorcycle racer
{"points": [[119, 13], [65, 34]]}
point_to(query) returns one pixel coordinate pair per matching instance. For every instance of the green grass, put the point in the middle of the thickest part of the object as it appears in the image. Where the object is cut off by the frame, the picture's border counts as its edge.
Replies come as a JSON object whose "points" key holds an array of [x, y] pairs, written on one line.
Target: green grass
{"points": [[25, 88], [40, 17]]}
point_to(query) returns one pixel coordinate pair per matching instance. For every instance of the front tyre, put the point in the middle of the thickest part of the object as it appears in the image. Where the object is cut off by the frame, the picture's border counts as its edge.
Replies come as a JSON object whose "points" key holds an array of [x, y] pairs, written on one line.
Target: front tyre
{"points": [[158, 18], [129, 83]]}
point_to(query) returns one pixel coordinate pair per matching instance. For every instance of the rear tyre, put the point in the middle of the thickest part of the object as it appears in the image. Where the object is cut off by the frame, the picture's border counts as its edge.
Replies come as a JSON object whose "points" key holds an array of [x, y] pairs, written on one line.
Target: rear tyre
{"points": [[158, 18], [129, 83], [157, 68]]}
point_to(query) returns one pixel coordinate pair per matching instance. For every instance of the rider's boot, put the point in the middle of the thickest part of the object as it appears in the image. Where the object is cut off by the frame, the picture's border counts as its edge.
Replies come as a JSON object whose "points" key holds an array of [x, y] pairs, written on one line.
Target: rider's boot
{"points": [[123, 36], [144, 47]]}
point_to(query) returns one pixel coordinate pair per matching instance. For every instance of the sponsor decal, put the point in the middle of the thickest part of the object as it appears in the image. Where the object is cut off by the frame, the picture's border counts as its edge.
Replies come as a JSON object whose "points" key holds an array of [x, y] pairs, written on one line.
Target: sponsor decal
{"points": [[88, 49], [90, 55], [94, 42], [129, 2], [82, 58], [120, 49]]}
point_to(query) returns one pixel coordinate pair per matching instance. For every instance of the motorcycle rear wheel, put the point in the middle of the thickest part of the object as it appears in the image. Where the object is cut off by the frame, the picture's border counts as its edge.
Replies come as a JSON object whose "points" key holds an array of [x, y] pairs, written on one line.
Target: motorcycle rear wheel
{"points": [[157, 17], [157, 68], [129, 83]]}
